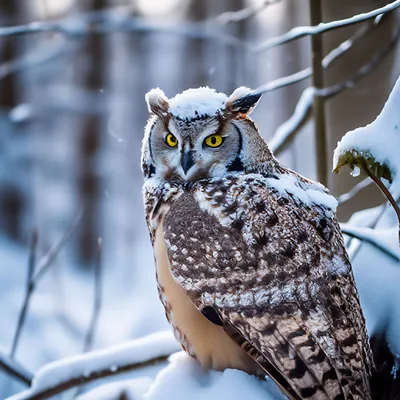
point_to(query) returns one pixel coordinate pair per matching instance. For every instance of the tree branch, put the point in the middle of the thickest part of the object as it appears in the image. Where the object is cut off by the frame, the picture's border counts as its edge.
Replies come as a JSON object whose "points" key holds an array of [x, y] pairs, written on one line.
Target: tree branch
{"points": [[357, 233], [318, 101], [14, 369], [28, 294], [303, 31], [245, 13], [345, 197], [288, 130], [97, 299]]}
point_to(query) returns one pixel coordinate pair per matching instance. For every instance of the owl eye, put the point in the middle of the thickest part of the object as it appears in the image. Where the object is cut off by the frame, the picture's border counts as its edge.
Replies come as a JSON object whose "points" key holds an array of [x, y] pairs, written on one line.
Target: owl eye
{"points": [[171, 140], [213, 140]]}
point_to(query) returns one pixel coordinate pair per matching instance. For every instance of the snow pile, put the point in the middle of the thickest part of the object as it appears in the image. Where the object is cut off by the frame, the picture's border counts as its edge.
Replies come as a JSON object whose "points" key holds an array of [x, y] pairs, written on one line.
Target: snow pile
{"points": [[377, 144], [195, 103], [184, 379]]}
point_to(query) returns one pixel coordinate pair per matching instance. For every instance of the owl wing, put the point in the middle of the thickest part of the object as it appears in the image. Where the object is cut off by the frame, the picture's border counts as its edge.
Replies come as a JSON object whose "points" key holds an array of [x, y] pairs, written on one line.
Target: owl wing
{"points": [[276, 272]]}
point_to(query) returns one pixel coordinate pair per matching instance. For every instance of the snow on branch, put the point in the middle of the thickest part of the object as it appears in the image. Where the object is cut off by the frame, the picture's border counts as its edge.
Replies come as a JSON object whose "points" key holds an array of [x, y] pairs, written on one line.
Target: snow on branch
{"points": [[288, 130], [245, 13], [345, 197], [375, 148], [372, 237], [302, 31], [62, 375]]}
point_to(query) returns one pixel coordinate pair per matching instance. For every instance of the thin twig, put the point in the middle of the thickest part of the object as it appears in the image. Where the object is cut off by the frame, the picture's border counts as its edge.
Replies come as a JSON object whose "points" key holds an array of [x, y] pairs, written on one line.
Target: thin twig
{"points": [[350, 231], [303, 31], [288, 130], [97, 299], [50, 256], [28, 294], [385, 192], [332, 56], [318, 101], [245, 13], [345, 197], [93, 376], [14, 369], [372, 225]]}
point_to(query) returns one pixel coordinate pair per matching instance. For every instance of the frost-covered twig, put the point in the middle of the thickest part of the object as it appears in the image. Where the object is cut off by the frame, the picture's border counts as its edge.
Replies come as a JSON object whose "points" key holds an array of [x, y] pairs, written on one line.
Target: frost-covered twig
{"points": [[28, 294], [16, 370], [345, 197], [364, 234], [367, 68], [97, 299], [288, 130], [51, 255], [60, 376], [332, 56], [245, 13], [302, 31]]}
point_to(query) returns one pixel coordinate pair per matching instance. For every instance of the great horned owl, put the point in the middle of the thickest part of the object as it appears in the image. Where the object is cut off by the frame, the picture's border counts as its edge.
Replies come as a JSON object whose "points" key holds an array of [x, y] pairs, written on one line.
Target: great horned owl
{"points": [[250, 261]]}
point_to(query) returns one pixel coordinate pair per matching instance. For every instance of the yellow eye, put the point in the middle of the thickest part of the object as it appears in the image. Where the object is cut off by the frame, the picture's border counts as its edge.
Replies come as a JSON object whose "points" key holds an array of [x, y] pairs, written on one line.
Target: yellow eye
{"points": [[214, 140], [171, 140]]}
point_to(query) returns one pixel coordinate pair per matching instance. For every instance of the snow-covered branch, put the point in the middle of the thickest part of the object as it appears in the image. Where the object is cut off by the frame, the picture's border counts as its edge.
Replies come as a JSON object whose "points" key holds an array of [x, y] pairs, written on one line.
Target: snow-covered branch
{"points": [[302, 31], [345, 197], [288, 130], [369, 235], [245, 13], [60, 376], [374, 149]]}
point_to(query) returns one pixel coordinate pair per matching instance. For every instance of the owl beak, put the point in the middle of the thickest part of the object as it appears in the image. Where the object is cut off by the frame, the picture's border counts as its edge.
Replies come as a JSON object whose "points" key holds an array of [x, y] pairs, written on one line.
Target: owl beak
{"points": [[187, 160]]}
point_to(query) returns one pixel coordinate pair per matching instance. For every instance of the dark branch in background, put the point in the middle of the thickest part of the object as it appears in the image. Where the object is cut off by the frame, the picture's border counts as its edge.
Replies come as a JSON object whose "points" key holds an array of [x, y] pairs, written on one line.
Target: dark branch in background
{"points": [[354, 233], [14, 369], [34, 278], [28, 293], [91, 377], [97, 298], [345, 197], [318, 101], [245, 13], [284, 136]]}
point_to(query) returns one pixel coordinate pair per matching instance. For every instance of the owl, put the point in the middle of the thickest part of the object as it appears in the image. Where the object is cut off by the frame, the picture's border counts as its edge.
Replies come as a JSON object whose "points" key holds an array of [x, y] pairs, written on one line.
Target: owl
{"points": [[250, 261]]}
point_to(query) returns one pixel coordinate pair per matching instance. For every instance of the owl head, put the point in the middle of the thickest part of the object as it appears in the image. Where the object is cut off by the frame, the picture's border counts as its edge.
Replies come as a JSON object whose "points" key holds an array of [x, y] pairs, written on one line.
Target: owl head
{"points": [[201, 134]]}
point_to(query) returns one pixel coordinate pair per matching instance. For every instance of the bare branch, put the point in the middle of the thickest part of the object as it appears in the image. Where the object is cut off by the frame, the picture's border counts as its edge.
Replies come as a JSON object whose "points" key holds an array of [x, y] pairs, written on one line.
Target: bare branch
{"points": [[51, 255], [345, 197], [245, 13], [32, 59], [288, 130], [97, 299], [14, 369], [28, 294], [361, 234], [303, 31]]}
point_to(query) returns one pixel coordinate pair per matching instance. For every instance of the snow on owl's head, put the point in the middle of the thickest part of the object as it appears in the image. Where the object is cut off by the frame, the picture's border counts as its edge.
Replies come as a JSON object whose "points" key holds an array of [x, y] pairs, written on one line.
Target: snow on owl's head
{"points": [[199, 133]]}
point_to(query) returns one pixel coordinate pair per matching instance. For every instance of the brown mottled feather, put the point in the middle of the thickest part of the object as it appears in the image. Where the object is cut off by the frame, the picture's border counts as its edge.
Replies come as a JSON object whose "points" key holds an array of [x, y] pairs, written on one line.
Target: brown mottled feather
{"points": [[278, 274]]}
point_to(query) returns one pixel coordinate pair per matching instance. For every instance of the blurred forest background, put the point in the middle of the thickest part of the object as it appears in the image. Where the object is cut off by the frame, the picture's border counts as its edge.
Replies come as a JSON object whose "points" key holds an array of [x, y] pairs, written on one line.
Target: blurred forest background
{"points": [[72, 115]]}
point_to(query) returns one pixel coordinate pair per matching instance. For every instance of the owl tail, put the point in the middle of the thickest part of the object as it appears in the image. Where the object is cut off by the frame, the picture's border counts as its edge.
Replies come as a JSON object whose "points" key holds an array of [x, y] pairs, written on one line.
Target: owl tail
{"points": [[385, 381]]}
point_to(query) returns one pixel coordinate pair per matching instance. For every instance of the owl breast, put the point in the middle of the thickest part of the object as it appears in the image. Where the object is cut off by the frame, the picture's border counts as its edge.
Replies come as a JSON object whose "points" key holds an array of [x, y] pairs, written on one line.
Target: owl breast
{"points": [[200, 338]]}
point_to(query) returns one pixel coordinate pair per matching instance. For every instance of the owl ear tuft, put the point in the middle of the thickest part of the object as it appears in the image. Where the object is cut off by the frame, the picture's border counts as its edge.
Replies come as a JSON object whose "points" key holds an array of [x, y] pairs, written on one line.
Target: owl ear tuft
{"points": [[242, 102], [157, 102]]}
